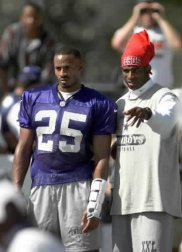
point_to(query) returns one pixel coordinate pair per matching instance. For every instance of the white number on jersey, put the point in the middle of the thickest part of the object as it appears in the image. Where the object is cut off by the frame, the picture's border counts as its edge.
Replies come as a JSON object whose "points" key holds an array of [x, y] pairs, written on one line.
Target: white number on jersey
{"points": [[64, 130]]}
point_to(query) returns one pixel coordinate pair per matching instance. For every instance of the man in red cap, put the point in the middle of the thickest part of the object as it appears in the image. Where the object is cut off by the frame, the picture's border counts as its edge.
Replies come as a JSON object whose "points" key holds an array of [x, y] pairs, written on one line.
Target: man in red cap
{"points": [[146, 194]]}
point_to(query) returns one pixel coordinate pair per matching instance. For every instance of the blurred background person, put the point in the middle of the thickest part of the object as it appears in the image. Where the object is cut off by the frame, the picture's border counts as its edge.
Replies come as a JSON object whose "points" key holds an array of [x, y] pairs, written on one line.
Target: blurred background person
{"points": [[29, 77], [178, 222], [180, 247], [26, 43], [17, 233], [149, 15], [3, 145]]}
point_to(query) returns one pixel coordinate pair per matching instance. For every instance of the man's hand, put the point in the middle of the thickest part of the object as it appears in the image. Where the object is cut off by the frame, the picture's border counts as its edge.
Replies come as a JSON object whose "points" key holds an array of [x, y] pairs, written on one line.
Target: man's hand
{"points": [[157, 7], [158, 11], [138, 8], [87, 225], [113, 150], [138, 115]]}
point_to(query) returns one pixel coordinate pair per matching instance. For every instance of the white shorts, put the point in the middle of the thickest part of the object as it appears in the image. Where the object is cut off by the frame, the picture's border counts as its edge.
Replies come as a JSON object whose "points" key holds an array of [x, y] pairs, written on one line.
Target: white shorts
{"points": [[59, 209], [150, 232]]}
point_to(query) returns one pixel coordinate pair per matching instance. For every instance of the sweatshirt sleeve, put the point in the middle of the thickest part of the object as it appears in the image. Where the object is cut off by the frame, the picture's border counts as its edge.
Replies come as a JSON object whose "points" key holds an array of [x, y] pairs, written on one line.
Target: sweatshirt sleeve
{"points": [[165, 116]]}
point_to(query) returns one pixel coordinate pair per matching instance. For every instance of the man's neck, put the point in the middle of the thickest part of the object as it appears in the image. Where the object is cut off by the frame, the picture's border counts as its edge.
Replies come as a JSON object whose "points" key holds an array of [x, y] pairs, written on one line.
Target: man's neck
{"points": [[34, 34]]}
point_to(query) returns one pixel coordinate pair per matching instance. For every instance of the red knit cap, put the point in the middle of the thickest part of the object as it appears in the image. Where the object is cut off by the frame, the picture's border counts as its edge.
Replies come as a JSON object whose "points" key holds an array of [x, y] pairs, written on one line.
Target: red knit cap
{"points": [[138, 51]]}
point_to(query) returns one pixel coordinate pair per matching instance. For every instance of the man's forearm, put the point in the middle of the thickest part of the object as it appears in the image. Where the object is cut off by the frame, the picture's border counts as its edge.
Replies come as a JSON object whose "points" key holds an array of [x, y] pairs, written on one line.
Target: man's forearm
{"points": [[172, 35], [4, 81], [19, 173], [20, 167], [101, 169]]}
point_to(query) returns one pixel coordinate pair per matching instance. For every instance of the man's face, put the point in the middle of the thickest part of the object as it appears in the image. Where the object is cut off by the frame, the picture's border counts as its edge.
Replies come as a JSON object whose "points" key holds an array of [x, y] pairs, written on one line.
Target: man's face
{"points": [[147, 21], [135, 76], [146, 15], [67, 69], [30, 19]]}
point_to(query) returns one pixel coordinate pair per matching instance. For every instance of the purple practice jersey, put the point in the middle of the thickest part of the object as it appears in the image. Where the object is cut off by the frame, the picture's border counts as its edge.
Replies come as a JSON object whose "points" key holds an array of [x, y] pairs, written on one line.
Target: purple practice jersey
{"points": [[64, 131]]}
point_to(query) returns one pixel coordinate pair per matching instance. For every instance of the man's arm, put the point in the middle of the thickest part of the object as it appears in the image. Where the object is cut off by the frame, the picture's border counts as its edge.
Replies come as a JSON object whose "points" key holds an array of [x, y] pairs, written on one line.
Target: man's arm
{"points": [[101, 148], [121, 35], [166, 115], [6, 51], [162, 120], [22, 156], [172, 36], [4, 81]]}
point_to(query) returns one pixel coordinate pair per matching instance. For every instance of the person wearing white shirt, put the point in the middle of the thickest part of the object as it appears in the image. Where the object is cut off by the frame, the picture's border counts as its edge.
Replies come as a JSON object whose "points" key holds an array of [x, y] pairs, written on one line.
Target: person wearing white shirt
{"points": [[146, 193], [17, 232], [149, 15]]}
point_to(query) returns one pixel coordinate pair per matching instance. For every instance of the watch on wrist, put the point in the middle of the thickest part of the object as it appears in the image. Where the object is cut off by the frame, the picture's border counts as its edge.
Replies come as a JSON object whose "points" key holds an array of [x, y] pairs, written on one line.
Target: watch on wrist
{"points": [[149, 113]]}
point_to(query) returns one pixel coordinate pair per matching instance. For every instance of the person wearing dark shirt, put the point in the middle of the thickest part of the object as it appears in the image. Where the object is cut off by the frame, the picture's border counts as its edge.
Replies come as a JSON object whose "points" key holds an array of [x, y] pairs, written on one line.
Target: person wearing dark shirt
{"points": [[70, 126], [26, 43]]}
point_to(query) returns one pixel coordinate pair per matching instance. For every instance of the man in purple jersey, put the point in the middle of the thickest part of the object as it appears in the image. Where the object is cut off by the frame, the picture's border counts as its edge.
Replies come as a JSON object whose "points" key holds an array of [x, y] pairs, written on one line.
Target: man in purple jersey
{"points": [[70, 126]]}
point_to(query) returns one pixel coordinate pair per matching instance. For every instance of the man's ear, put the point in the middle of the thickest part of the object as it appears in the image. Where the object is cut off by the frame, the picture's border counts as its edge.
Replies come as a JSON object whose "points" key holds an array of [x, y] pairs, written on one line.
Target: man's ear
{"points": [[81, 67], [148, 69]]}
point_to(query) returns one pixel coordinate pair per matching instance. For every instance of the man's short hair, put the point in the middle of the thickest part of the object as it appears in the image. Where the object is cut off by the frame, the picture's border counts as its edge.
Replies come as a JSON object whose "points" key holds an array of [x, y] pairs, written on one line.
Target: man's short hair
{"points": [[69, 51], [37, 7]]}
